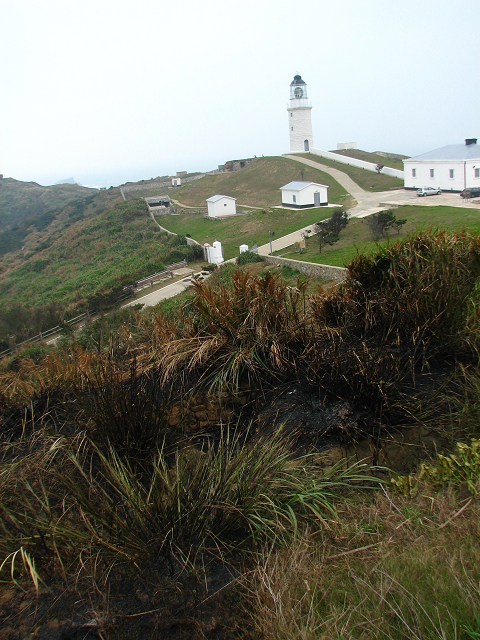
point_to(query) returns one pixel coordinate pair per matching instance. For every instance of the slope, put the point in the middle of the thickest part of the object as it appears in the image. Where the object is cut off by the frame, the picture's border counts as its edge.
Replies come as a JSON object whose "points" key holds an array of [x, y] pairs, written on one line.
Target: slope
{"points": [[258, 184]]}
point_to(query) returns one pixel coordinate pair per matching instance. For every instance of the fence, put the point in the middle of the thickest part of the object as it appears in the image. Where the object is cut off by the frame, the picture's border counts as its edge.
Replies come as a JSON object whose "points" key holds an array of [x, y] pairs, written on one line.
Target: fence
{"points": [[161, 275]]}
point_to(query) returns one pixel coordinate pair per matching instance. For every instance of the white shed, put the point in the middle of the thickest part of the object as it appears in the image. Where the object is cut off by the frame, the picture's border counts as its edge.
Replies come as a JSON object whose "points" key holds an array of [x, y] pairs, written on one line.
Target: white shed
{"points": [[219, 206], [300, 195], [451, 168], [176, 182]]}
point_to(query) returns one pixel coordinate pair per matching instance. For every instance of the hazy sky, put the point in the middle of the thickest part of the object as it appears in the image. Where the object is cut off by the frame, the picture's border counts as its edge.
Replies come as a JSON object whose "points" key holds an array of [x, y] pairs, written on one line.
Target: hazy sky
{"points": [[109, 91]]}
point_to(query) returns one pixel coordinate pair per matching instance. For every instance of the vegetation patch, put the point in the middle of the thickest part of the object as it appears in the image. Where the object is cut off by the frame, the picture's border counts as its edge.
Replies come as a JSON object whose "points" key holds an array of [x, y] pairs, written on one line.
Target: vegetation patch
{"points": [[357, 237]]}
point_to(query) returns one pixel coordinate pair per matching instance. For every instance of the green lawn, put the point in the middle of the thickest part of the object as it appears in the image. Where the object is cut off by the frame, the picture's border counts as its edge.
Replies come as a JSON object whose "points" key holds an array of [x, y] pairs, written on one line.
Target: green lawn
{"points": [[394, 163], [258, 184], [248, 228], [356, 236], [368, 180]]}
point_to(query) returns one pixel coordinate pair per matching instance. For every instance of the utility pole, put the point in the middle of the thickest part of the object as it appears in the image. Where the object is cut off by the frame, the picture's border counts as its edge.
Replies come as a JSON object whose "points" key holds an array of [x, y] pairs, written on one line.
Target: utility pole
{"points": [[270, 234]]}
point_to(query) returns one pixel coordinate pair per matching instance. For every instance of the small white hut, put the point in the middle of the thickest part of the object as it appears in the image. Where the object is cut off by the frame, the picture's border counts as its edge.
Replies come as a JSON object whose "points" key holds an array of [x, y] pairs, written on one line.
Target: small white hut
{"points": [[300, 195], [220, 206]]}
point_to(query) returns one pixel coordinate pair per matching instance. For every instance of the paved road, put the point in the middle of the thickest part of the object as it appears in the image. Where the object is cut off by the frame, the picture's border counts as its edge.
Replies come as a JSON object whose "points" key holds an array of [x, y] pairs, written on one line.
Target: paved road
{"points": [[153, 298]]}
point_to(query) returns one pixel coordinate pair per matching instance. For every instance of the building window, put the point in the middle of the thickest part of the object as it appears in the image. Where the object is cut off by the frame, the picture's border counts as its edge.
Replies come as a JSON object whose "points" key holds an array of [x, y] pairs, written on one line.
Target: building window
{"points": [[292, 128], [432, 173], [477, 173], [224, 204], [414, 173], [294, 198], [452, 173], [291, 114]]}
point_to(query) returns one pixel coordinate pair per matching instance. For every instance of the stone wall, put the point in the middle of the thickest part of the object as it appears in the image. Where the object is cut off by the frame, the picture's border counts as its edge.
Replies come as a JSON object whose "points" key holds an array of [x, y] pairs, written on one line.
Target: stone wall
{"points": [[205, 411], [324, 271]]}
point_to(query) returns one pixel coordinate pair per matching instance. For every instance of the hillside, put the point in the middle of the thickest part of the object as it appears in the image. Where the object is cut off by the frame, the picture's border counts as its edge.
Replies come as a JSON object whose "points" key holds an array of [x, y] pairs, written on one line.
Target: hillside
{"points": [[81, 259], [368, 180], [258, 184], [20, 201]]}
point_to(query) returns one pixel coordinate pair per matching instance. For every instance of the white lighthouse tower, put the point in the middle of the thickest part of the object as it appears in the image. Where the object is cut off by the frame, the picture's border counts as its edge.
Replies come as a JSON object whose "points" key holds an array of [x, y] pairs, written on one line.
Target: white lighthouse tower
{"points": [[299, 116]]}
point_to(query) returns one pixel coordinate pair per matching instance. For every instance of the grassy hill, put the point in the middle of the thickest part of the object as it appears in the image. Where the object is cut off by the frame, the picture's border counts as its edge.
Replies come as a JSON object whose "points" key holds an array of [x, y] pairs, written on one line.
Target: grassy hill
{"points": [[356, 237], [83, 258], [258, 184], [20, 201], [394, 163], [368, 180]]}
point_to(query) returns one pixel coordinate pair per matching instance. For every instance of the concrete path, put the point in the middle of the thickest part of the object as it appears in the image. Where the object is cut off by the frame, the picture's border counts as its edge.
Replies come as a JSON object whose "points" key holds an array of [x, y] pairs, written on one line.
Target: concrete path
{"points": [[284, 241], [153, 298], [342, 178]]}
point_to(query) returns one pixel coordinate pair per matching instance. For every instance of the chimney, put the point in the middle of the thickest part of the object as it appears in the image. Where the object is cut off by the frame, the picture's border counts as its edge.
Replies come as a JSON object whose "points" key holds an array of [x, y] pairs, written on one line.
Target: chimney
{"points": [[469, 141]]}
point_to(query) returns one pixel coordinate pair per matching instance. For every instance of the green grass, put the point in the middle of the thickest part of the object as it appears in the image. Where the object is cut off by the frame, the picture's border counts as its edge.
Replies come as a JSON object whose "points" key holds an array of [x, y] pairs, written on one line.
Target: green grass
{"points": [[248, 228], [394, 163], [368, 180], [258, 184], [356, 237]]}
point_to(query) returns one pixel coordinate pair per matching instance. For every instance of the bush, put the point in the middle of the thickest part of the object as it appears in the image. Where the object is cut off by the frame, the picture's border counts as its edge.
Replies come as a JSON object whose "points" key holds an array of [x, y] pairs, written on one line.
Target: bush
{"points": [[248, 257]]}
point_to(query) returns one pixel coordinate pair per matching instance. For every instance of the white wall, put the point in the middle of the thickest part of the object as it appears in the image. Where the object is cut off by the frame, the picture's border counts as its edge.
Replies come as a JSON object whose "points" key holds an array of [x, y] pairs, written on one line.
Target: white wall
{"points": [[370, 166], [222, 207], [300, 120], [464, 174]]}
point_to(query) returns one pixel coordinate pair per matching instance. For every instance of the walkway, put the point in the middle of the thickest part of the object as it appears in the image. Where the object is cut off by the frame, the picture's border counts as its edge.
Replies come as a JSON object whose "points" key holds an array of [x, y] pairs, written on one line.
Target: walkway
{"points": [[153, 298]]}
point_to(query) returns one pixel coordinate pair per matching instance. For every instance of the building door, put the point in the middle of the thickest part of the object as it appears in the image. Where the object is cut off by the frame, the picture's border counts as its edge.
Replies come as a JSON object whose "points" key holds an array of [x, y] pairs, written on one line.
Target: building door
{"points": [[306, 145], [316, 198]]}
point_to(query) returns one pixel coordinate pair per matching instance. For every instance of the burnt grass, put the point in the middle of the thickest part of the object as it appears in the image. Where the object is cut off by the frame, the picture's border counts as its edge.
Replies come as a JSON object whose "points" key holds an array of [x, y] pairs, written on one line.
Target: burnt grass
{"points": [[347, 372]]}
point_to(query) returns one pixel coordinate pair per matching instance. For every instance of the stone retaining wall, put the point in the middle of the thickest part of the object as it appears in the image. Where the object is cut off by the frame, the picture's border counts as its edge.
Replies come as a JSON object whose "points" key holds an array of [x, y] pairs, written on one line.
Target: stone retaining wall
{"points": [[324, 271]]}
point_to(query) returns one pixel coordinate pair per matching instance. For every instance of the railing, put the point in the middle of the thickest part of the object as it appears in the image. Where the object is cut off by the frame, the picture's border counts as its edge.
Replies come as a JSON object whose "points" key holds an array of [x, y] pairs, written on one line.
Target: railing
{"points": [[151, 280], [44, 334]]}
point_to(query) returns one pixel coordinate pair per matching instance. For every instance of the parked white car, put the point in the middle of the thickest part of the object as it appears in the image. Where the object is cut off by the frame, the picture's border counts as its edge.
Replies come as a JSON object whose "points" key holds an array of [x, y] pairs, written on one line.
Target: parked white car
{"points": [[428, 191]]}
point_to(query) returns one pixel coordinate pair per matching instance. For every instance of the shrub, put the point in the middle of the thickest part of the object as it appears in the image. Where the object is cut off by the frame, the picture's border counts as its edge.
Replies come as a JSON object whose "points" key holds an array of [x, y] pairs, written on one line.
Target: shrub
{"points": [[248, 257]]}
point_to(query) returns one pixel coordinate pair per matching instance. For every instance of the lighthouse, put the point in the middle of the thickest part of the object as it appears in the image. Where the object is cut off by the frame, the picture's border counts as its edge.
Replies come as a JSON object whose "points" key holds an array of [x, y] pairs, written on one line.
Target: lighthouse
{"points": [[299, 117]]}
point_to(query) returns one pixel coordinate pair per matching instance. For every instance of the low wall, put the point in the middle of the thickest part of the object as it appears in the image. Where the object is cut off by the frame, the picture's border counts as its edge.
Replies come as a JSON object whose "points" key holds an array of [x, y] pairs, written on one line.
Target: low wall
{"points": [[324, 271], [354, 162]]}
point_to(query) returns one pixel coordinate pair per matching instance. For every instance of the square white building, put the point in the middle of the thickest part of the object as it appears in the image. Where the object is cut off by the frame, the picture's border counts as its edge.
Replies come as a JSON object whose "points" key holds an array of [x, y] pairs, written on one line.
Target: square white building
{"points": [[220, 206], [300, 195], [451, 168]]}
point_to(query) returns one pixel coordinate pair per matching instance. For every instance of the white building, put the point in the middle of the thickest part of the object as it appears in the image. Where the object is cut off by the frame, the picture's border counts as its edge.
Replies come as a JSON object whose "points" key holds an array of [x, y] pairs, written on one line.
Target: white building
{"points": [[219, 206], [176, 182], [299, 195], [213, 254], [299, 117], [451, 168]]}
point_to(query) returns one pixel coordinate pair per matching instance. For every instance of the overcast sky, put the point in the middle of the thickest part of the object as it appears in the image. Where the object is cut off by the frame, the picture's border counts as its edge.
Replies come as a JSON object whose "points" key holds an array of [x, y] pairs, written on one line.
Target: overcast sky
{"points": [[108, 91]]}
